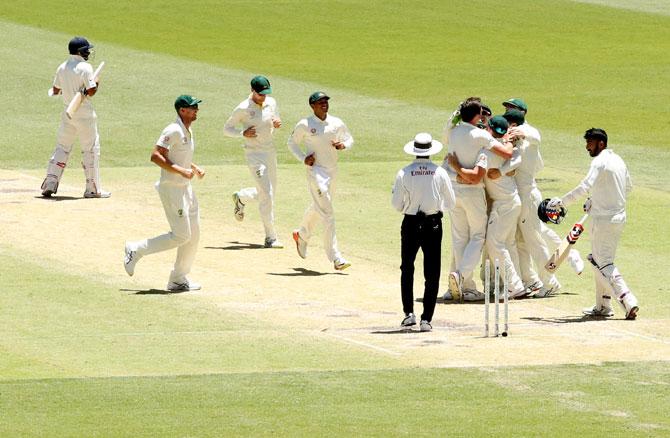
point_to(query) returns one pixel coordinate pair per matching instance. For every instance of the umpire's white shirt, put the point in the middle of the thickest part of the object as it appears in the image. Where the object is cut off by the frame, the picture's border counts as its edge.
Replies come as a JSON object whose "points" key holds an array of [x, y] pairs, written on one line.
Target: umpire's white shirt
{"points": [[608, 182], [73, 75], [180, 144], [317, 136], [422, 186], [469, 143], [248, 113]]}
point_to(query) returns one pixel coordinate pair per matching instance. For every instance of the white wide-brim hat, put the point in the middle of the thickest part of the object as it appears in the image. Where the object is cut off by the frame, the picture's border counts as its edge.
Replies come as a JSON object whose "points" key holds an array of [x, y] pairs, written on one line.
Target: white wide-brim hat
{"points": [[423, 145]]}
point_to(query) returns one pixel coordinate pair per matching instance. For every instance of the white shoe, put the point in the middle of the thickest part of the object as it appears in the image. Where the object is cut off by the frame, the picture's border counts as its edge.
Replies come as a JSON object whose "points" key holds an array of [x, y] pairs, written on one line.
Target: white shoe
{"points": [[408, 320], [455, 286], [447, 296], [425, 326], [517, 294], [100, 194], [629, 303], [176, 286], [131, 259], [300, 244], [472, 295], [341, 264], [547, 291], [595, 311], [534, 288], [49, 187], [239, 207], [576, 262], [272, 243]]}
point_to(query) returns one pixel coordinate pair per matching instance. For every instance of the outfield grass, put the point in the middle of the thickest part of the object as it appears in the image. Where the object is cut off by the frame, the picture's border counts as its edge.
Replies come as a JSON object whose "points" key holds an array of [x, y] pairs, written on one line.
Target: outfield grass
{"points": [[77, 358]]}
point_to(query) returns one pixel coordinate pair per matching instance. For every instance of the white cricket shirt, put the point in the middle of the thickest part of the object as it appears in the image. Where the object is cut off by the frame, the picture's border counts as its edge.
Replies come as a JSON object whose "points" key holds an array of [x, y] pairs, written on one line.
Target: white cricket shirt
{"points": [[470, 144], [72, 76], [180, 144], [503, 188], [422, 186], [317, 136], [608, 182], [248, 113], [531, 159]]}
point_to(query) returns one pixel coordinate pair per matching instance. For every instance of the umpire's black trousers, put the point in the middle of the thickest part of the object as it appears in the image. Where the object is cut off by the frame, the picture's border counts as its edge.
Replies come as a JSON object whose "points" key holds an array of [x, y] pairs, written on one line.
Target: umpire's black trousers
{"points": [[425, 232]]}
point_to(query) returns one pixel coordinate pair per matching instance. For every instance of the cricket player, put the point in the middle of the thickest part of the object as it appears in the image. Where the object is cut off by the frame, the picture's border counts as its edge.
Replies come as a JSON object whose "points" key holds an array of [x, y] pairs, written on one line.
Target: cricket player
{"points": [[466, 163], [255, 119], [173, 153], [74, 76], [505, 208], [532, 234], [323, 137], [422, 192], [608, 182]]}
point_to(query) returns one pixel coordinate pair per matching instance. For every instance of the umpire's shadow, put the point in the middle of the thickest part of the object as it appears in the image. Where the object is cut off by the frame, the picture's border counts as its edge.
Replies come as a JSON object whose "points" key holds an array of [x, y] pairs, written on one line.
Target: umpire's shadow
{"points": [[154, 291], [236, 246], [302, 272]]}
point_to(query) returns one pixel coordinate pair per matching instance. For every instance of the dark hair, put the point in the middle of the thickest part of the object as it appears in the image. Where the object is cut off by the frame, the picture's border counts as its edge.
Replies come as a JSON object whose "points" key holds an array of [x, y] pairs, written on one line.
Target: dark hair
{"points": [[470, 109], [596, 133]]}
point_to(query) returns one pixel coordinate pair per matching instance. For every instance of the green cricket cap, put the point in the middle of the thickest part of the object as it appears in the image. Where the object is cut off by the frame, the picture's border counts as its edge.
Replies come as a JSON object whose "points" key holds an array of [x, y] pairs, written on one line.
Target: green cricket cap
{"points": [[515, 102], [186, 101], [317, 95], [499, 124], [261, 85]]}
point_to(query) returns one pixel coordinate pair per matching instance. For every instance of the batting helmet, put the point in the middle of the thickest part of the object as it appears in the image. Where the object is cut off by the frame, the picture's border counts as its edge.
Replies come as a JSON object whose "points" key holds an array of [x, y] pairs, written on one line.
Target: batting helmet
{"points": [[553, 214], [80, 46]]}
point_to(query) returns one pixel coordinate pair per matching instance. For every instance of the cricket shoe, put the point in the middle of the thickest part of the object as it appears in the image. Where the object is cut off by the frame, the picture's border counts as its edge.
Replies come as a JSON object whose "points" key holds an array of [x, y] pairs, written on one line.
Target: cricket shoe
{"points": [[425, 326], [408, 320], [471, 295], [101, 194], [576, 262], [131, 259], [534, 288], [598, 311], [455, 286], [183, 286], [547, 291], [300, 244], [447, 296], [629, 303], [341, 264], [272, 243], [521, 293], [49, 187], [238, 210]]}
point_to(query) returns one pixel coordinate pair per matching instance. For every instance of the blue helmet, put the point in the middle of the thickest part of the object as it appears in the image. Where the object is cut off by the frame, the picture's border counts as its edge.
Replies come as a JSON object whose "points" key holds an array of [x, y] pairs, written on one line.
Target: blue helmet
{"points": [[80, 46]]}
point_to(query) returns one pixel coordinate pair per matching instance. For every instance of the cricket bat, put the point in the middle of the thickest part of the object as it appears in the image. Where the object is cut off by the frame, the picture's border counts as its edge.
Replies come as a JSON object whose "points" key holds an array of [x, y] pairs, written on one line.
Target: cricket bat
{"points": [[76, 101], [561, 253]]}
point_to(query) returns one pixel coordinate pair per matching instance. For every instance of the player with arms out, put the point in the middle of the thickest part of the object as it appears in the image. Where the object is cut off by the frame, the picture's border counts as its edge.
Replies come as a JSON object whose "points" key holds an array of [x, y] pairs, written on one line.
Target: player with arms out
{"points": [[255, 119], [608, 182], [73, 77], [324, 137], [173, 153]]}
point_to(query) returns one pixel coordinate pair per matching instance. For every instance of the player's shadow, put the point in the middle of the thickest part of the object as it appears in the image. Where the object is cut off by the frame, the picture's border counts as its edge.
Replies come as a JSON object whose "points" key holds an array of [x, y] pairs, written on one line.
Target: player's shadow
{"points": [[302, 272], [395, 331], [236, 246], [564, 319], [153, 291], [441, 300], [60, 198]]}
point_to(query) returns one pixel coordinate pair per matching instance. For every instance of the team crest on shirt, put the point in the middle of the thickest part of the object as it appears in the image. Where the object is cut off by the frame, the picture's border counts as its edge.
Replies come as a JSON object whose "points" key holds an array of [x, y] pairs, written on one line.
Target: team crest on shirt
{"points": [[313, 131], [252, 113], [184, 140], [180, 212]]}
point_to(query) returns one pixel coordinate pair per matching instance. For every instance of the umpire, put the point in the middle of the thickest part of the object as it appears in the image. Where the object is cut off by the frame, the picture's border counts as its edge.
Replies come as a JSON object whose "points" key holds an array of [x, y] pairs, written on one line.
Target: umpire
{"points": [[422, 191]]}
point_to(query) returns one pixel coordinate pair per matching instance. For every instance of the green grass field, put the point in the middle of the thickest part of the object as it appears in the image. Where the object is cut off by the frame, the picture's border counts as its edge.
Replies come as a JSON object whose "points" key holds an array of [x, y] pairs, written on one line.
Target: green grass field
{"points": [[80, 355]]}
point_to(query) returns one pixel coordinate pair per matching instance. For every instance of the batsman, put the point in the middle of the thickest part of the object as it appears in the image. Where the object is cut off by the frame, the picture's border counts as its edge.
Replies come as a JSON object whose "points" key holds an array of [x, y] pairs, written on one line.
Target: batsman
{"points": [[75, 80], [608, 183]]}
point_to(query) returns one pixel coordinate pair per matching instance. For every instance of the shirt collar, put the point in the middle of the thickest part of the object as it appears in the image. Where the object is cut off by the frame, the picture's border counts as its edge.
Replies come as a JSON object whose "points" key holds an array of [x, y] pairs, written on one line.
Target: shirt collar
{"points": [[183, 128], [422, 160], [78, 58], [251, 101]]}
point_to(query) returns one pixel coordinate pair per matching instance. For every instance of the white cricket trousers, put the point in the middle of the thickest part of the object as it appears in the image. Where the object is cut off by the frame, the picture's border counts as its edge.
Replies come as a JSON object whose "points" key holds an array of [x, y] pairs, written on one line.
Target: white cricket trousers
{"points": [[263, 169], [181, 211], [468, 230], [321, 185], [85, 126], [501, 236], [605, 237], [532, 238]]}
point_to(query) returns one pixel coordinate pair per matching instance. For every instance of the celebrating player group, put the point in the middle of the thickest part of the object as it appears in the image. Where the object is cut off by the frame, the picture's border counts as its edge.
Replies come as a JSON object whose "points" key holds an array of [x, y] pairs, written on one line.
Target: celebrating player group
{"points": [[486, 185]]}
